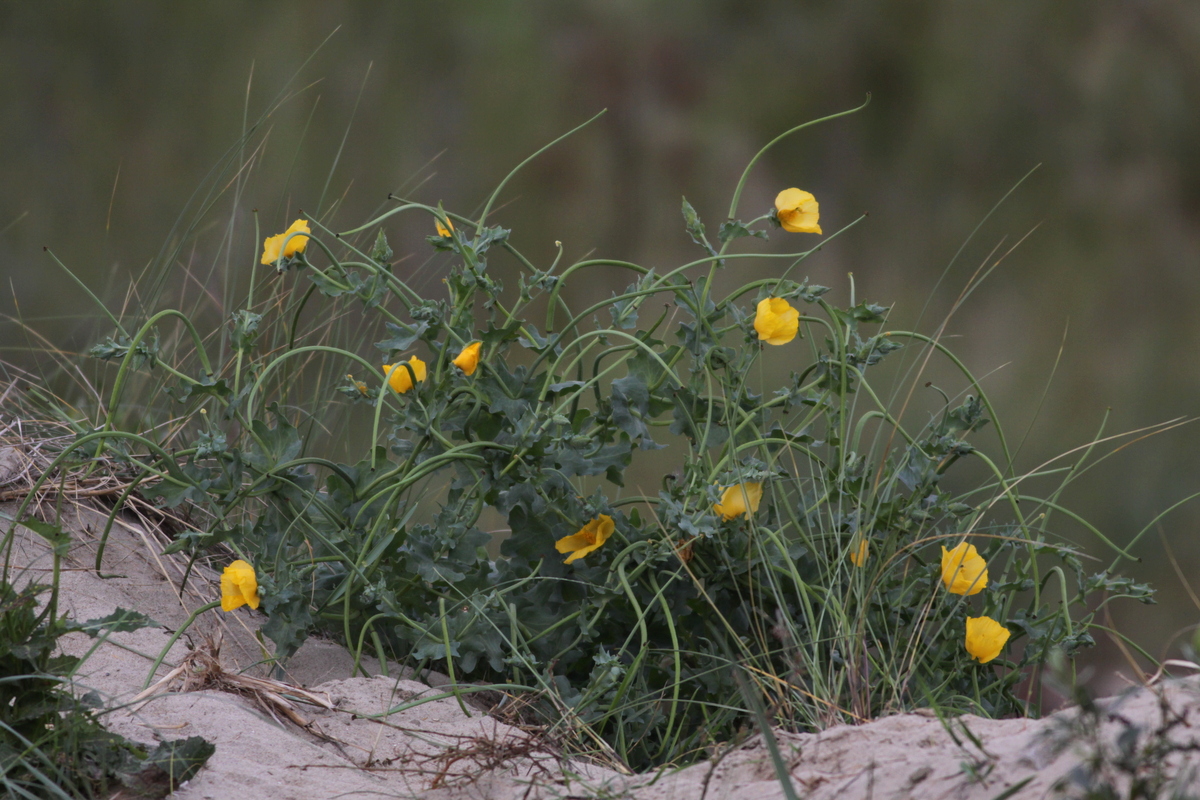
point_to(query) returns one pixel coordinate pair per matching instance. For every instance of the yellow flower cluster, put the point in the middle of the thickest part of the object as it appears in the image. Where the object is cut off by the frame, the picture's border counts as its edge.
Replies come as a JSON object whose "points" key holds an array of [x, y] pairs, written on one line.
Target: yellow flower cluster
{"points": [[965, 572], [400, 379], [741, 499]]}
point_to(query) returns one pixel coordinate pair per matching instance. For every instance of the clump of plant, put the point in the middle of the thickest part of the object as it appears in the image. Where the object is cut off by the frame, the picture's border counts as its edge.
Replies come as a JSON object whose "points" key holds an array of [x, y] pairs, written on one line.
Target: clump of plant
{"points": [[1127, 759], [805, 543], [52, 744]]}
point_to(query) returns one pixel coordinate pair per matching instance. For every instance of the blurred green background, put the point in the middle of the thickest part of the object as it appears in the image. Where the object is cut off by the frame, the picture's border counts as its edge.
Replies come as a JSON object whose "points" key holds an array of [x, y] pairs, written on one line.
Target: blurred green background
{"points": [[115, 112]]}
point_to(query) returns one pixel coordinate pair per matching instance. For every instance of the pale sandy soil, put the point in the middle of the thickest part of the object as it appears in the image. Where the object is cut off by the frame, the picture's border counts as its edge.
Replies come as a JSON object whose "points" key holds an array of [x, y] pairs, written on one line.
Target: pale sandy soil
{"points": [[357, 749]]}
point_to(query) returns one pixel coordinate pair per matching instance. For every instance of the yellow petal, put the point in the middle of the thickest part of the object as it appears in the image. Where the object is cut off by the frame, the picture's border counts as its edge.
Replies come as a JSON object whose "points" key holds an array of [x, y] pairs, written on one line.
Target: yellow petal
{"points": [[294, 244], [741, 499], [985, 638], [400, 379], [776, 321], [964, 571], [858, 556], [443, 230], [789, 199], [576, 541], [799, 222], [468, 359], [271, 247]]}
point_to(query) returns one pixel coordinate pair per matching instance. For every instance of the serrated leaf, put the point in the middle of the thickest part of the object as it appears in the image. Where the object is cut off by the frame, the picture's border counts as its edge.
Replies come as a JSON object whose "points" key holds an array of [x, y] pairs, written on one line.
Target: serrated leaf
{"points": [[734, 229], [59, 540], [289, 619], [381, 252], [119, 621], [273, 446], [695, 228], [403, 336], [631, 410], [918, 469], [325, 284], [168, 766]]}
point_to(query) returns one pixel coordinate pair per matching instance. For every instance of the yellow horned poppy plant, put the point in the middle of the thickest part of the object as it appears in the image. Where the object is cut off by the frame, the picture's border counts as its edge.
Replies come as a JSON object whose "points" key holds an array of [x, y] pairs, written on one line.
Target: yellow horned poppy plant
{"points": [[296, 244], [589, 537], [443, 230], [776, 321], [985, 638], [738, 500], [468, 359], [239, 586], [400, 378], [797, 211], [963, 570]]}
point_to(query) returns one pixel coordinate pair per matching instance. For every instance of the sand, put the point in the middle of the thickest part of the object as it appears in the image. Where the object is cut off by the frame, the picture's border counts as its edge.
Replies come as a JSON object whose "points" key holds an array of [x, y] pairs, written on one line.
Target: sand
{"points": [[371, 737]]}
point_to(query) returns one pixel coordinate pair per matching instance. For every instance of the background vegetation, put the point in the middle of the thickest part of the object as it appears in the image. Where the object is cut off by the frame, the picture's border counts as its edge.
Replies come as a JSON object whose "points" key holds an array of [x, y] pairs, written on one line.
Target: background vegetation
{"points": [[115, 113]]}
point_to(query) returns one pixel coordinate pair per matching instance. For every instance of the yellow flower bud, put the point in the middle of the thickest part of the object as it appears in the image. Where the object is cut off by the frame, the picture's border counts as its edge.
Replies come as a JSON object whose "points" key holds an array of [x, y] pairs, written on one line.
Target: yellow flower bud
{"points": [[776, 321], [400, 379], [239, 586], [742, 499], [468, 359], [858, 556], [985, 638], [797, 211]]}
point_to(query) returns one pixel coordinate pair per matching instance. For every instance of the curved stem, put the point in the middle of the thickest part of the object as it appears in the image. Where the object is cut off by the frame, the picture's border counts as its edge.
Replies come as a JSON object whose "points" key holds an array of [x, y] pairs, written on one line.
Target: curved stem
{"points": [[175, 637], [737, 193], [488, 206]]}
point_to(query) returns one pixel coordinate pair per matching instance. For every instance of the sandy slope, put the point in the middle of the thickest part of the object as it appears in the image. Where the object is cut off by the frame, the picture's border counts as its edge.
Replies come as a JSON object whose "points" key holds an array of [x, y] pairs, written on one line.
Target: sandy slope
{"points": [[439, 749]]}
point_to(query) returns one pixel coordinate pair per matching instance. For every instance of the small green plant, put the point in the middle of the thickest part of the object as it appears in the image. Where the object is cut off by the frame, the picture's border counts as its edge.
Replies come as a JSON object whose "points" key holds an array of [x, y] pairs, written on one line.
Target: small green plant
{"points": [[806, 543], [1125, 759], [52, 744]]}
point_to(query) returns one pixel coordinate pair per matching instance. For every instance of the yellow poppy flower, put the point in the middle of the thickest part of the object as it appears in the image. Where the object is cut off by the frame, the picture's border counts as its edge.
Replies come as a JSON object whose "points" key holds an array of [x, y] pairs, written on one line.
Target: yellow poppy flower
{"points": [[443, 230], [296, 244], [776, 321], [963, 570], [858, 556], [400, 378], [797, 211], [589, 537], [239, 586], [468, 359], [740, 499], [985, 638]]}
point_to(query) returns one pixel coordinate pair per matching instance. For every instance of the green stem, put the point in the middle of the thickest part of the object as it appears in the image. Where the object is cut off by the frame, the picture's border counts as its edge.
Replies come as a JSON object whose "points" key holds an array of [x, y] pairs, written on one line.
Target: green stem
{"points": [[737, 193], [491, 200], [175, 637]]}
